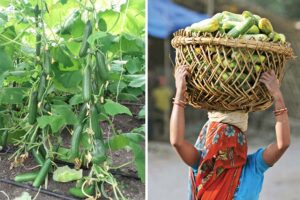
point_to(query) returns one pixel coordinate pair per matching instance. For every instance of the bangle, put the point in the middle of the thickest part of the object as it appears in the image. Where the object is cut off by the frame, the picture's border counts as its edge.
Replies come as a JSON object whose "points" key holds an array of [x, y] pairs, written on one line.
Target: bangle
{"points": [[179, 104], [179, 100], [280, 111]]}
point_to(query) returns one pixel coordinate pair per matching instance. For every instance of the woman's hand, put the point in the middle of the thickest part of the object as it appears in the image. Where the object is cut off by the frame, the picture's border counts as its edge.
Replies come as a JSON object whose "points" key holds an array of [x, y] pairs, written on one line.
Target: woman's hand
{"points": [[180, 78], [271, 82]]}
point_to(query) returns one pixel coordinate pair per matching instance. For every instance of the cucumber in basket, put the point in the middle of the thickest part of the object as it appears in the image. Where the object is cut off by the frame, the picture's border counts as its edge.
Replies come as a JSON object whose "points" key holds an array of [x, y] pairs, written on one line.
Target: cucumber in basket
{"points": [[247, 25], [207, 25], [241, 28]]}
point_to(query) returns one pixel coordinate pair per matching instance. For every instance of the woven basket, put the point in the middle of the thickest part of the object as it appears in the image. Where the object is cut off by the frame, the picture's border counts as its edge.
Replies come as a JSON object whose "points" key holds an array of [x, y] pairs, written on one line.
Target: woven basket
{"points": [[225, 72]]}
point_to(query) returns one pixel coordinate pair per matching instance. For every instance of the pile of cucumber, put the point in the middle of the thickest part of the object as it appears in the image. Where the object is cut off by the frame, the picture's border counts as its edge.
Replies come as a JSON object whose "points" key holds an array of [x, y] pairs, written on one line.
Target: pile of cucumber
{"points": [[246, 25]]}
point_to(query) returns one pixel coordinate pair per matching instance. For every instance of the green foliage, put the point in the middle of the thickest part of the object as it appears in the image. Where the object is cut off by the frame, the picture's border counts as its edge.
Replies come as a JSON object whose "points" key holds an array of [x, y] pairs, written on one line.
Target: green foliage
{"points": [[117, 33]]}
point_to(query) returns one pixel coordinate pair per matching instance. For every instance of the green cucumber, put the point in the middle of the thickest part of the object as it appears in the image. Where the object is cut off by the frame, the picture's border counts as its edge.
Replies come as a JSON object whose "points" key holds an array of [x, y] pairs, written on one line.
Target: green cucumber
{"points": [[99, 152], [86, 83], [218, 17], [25, 177], [69, 22], [42, 86], [228, 25], [76, 192], [33, 108], [47, 62], [75, 141], [241, 28], [257, 37], [247, 14], [95, 123], [3, 134], [85, 45], [82, 113], [232, 16], [38, 44], [40, 178], [101, 66], [3, 139], [38, 156], [17, 73], [253, 30]]}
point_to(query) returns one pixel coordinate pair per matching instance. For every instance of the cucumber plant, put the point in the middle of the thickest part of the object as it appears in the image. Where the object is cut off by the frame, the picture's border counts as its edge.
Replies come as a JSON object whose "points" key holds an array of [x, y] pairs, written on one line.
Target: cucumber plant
{"points": [[67, 66]]}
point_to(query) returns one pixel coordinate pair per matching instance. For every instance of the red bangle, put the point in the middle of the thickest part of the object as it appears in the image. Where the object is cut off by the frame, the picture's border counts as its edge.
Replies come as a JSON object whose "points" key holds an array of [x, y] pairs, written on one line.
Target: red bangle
{"points": [[177, 99], [280, 111], [179, 104]]}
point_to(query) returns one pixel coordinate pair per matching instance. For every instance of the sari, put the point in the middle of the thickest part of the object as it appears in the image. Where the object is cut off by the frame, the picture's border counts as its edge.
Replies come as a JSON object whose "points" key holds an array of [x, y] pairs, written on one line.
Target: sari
{"points": [[223, 150]]}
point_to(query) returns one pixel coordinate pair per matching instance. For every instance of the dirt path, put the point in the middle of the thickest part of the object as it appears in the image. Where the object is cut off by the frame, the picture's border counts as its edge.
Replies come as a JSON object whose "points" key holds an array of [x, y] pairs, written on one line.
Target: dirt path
{"points": [[168, 175]]}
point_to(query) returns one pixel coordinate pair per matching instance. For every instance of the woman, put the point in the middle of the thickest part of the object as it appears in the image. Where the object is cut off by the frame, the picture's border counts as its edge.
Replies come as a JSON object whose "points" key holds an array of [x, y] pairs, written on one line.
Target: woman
{"points": [[220, 167]]}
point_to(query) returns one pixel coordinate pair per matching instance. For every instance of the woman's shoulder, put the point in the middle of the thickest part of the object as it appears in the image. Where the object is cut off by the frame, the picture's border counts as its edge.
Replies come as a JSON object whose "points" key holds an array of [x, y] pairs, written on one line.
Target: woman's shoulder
{"points": [[256, 163]]}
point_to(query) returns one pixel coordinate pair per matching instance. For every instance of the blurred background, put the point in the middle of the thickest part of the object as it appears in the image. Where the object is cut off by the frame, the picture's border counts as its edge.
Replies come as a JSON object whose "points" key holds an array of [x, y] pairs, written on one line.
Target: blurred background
{"points": [[167, 174]]}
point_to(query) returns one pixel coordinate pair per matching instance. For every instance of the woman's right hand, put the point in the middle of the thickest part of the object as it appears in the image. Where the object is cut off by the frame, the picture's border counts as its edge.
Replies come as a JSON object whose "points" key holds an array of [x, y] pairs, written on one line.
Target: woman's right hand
{"points": [[180, 78]]}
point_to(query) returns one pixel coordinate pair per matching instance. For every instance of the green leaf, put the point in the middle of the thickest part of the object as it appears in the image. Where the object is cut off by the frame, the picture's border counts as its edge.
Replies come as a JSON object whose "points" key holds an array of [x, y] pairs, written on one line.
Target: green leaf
{"points": [[134, 137], [113, 108], [118, 142], [142, 113], [12, 95], [127, 97], [55, 122], [95, 36], [66, 174], [131, 140], [139, 160], [61, 116], [76, 99], [138, 82], [6, 61], [140, 129], [63, 1], [134, 64], [61, 56], [66, 81], [66, 112], [24, 196], [4, 3]]}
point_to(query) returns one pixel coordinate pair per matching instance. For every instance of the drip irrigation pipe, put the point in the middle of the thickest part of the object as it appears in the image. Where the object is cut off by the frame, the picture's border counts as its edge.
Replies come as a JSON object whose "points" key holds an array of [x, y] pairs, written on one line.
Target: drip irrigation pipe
{"points": [[44, 191]]}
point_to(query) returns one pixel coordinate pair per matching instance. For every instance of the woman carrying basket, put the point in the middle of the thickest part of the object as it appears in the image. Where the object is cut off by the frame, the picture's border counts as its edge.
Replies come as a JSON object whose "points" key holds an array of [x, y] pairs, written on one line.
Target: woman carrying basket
{"points": [[219, 166]]}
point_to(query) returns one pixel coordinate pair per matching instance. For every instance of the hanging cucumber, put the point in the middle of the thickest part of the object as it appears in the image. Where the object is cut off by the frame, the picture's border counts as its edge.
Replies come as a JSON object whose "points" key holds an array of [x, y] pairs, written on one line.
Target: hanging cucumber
{"points": [[86, 83], [3, 140], [101, 66], [42, 86], [3, 135], [47, 61], [38, 44], [30, 176], [69, 22], [82, 113], [75, 141], [99, 152], [40, 178], [85, 45], [95, 123], [33, 108]]}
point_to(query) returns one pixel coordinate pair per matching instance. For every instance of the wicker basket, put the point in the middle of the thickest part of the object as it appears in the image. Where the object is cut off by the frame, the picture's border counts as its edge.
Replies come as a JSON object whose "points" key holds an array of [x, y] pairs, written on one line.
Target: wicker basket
{"points": [[224, 73]]}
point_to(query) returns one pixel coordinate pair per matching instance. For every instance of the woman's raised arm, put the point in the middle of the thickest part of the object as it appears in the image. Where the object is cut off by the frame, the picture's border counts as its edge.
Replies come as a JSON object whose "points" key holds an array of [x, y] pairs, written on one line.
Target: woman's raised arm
{"points": [[276, 149], [186, 150]]}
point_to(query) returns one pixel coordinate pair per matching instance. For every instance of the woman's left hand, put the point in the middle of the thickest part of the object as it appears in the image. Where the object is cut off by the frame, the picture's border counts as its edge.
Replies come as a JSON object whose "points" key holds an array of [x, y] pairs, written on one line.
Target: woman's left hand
{"points": [[271, 82]]}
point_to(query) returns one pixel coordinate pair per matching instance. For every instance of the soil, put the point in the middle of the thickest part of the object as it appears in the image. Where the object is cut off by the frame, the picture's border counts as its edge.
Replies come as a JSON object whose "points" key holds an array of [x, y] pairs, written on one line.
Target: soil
{"points": [[130, 185]]}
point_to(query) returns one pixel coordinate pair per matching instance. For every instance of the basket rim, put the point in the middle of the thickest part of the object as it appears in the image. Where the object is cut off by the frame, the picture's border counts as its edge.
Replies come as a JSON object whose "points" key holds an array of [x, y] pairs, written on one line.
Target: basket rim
{"points": [[182, 38]]}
